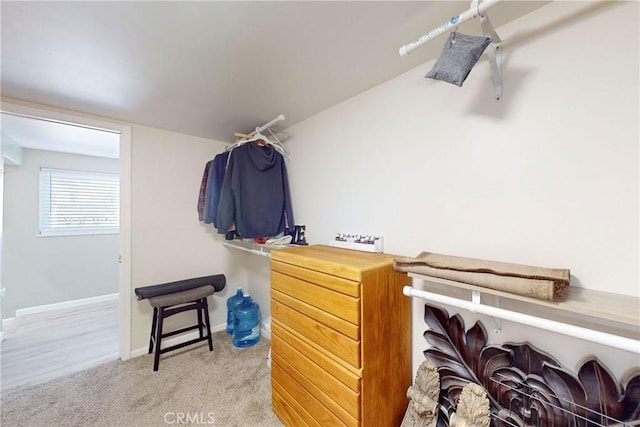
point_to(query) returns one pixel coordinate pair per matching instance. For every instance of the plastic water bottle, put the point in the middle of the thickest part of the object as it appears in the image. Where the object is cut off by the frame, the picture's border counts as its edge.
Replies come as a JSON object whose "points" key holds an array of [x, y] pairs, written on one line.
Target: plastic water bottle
{"points": [[232, 303], [246, 323]]}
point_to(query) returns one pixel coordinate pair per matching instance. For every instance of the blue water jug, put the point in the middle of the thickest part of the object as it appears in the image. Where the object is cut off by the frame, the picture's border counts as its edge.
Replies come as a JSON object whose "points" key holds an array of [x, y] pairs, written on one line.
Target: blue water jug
{"points": [[232, 303], [246, 323]]}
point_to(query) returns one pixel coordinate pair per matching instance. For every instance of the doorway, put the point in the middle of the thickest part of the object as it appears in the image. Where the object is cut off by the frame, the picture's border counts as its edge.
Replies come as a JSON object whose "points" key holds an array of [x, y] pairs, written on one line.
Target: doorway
{"points": [[123, 299]]}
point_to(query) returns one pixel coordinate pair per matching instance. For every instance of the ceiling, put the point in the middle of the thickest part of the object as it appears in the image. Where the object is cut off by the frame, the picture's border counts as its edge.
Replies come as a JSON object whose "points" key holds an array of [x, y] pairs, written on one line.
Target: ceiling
{"points": [[214, 68], [37, 134]]}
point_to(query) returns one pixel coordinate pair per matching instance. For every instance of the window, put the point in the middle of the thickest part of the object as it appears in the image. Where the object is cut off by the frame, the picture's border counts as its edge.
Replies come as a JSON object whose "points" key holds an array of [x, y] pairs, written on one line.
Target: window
{"points": [[77, 202]]}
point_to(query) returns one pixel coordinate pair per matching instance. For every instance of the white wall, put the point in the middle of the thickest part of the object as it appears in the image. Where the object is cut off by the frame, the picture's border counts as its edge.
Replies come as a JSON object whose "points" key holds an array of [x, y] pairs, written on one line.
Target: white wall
{"points": [[47, 270], [548, 176], [168, 241], [11, 152]]}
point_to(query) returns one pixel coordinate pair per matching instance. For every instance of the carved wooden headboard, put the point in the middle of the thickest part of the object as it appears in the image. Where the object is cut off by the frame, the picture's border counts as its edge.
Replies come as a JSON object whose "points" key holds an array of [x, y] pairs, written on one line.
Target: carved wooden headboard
{"points": [[525, 386]]}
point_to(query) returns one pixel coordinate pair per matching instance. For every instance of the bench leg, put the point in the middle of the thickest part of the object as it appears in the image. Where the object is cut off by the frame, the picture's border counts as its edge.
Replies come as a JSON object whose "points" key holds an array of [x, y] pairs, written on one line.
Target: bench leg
{"points": [[200, 321], [153, 329], [156, 359], [208, 324]]}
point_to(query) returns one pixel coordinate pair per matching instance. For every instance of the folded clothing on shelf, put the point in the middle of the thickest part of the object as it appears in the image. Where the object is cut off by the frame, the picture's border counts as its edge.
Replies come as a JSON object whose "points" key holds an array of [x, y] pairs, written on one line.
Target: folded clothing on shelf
{"points": [[279, 241], [536, 282]]}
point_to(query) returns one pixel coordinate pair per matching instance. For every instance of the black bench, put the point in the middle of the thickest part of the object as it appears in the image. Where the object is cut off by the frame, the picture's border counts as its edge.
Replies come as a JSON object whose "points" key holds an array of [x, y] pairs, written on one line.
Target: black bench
{"points": [[172, 298]]}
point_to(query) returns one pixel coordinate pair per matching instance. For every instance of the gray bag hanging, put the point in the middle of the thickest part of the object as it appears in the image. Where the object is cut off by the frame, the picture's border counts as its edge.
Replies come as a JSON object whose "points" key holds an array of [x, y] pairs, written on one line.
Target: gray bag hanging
{"points": [[460, 54]]}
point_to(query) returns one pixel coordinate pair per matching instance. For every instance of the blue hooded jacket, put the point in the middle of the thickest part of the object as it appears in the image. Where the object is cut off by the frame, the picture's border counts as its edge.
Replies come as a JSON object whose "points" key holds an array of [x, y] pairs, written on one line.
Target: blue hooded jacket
{"points": [[255, 193]]}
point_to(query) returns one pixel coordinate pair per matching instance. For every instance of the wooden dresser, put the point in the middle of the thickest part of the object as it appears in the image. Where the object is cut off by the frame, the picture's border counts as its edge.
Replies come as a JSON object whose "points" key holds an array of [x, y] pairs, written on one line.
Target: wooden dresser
{"points": [[340, 339]]}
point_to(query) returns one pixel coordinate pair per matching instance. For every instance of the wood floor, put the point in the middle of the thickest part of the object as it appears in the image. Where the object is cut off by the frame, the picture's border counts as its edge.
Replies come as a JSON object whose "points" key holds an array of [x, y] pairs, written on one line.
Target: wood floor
{"points": [[43, 346]]}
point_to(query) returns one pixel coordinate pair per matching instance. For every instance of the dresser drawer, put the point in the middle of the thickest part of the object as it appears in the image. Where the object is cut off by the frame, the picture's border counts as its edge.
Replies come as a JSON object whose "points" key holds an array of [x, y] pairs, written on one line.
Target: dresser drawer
{"points": [[287, 409], [341, 305], [337, 284], [330, 393], [346, 374], [340, 325], [317, 333], [299, 406]]}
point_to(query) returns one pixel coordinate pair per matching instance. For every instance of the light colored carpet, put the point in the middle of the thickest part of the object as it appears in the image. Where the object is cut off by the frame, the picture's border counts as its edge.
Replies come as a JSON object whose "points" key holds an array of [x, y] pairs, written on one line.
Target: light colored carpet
{"points": [[226, 387]]}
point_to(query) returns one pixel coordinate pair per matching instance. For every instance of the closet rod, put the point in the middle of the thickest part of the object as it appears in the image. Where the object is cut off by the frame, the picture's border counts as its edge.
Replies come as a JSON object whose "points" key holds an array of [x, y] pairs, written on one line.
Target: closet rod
{"points": [[266, 126], [610, 340], [253, 251], [472, 12]]}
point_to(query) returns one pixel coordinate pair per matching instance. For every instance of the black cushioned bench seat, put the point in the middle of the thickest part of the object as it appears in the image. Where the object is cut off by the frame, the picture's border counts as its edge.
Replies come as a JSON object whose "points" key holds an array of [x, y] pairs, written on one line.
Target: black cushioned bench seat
{"points": [[172, 298], [182, 297], [218, 281]]}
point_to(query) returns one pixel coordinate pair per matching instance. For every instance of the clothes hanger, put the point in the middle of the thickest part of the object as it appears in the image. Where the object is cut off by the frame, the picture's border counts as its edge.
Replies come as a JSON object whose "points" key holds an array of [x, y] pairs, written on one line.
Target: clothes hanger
{"points": [[255, 137], [249, 138], [258, 136], [275, 143]]}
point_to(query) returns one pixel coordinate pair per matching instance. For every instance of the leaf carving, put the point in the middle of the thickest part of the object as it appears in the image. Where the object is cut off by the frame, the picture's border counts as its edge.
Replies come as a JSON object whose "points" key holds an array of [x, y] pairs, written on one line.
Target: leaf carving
{"points": [[525, 386], [603, 391], [449, 336], [455, 331], [453, 386], [569, 390], [631, 399], [446, 363], [437, 319], [543, 403], [491, 359], [529, 359], [441, 342], [454, 381], [475, 339], [505, 387], [457, 354]]}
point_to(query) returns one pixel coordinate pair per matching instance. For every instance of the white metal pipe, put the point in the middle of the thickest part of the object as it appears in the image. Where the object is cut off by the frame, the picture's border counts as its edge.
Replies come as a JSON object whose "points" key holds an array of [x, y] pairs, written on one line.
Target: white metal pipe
{"points": [[253, 251], [610, 340], [268, 125], [453, 22]]}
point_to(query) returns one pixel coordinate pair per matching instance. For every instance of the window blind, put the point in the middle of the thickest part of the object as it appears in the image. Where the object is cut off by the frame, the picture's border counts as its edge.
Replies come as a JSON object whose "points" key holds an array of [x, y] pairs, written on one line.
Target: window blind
{"points": [[78, 202]]}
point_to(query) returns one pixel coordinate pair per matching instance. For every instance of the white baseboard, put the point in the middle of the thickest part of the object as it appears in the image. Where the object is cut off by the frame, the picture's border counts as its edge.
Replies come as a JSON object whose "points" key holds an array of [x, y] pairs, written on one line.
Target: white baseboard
{"points": [[66, 304], [265, 329], [192, 335]]}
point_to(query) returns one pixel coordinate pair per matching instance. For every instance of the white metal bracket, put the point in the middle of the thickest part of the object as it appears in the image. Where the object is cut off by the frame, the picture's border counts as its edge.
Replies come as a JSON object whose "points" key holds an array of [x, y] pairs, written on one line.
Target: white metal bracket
{"points": [[495, 58], [497, 321], [476, 299]]}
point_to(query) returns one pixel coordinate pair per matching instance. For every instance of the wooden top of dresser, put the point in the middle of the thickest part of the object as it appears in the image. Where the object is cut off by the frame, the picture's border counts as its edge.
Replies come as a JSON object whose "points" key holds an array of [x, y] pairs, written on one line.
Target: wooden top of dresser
{"points": [[346, 263]]}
